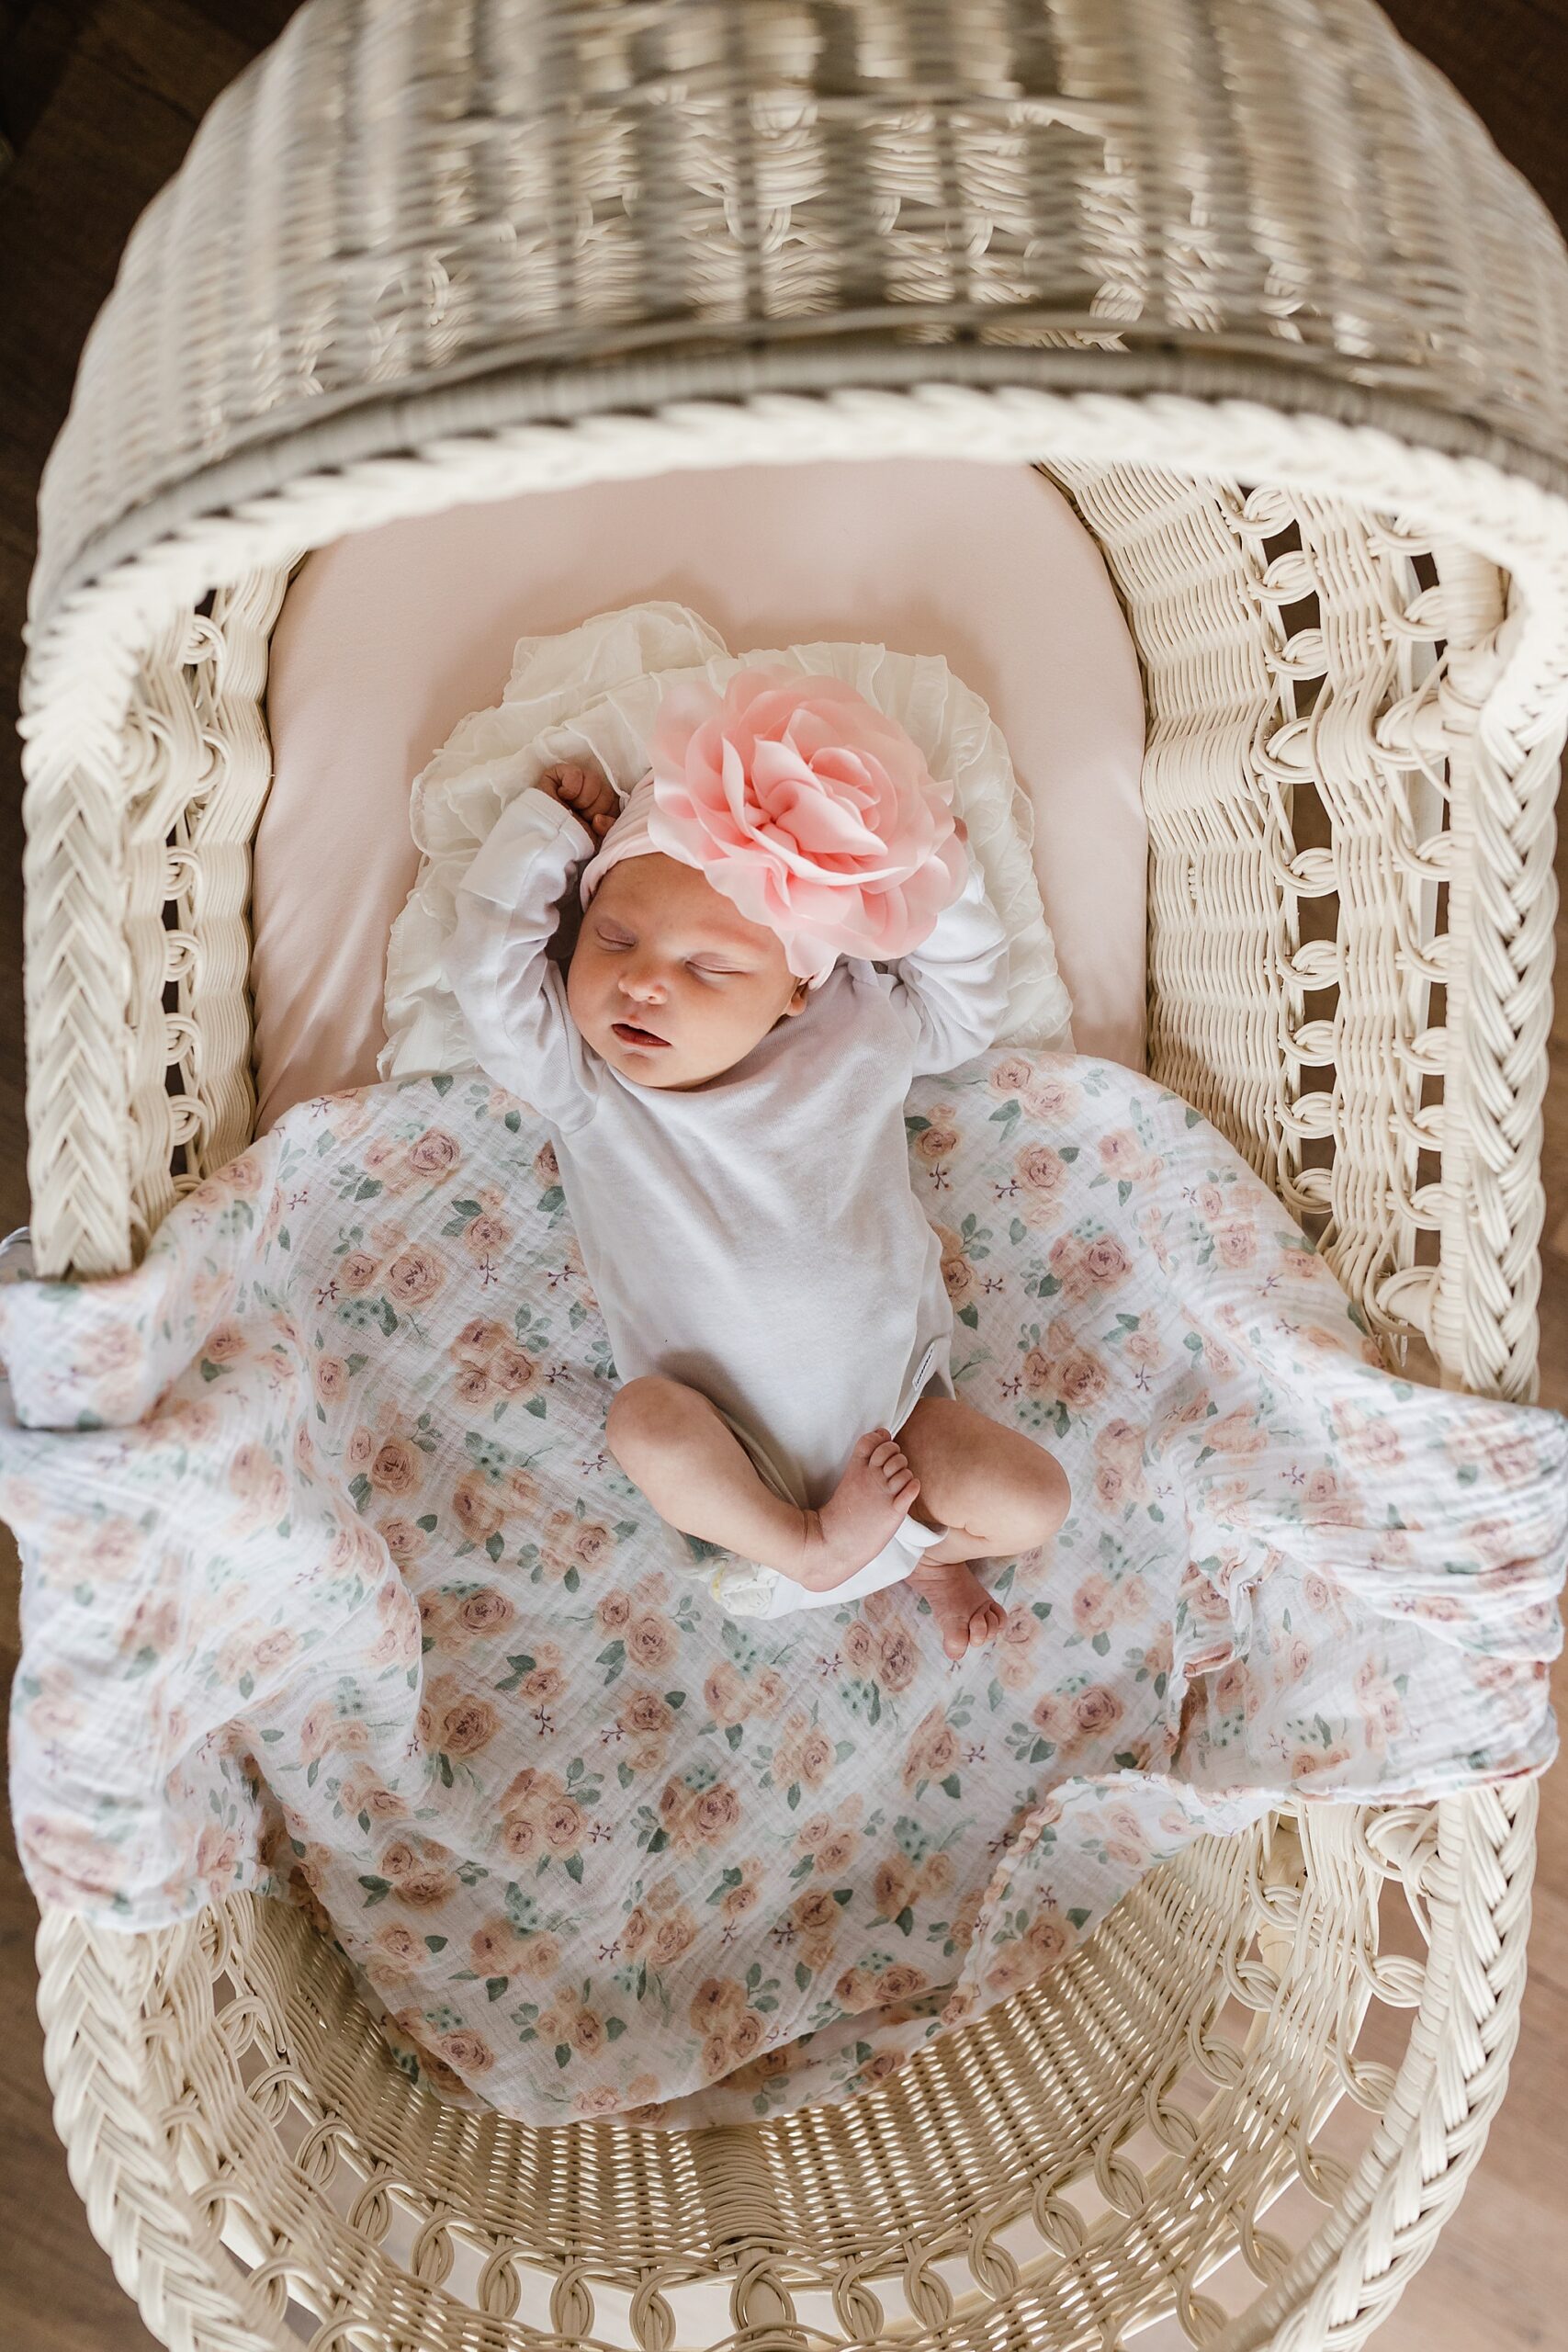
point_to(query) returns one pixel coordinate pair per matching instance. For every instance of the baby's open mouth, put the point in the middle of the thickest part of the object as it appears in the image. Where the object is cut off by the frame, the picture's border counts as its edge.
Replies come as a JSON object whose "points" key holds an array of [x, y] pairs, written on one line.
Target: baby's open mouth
{"points": [[630, 1034]]}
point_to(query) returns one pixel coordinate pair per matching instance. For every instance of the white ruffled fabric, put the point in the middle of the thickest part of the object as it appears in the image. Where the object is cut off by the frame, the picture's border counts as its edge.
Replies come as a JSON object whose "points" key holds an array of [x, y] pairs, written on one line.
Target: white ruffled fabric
{"points": [[591, 695]]}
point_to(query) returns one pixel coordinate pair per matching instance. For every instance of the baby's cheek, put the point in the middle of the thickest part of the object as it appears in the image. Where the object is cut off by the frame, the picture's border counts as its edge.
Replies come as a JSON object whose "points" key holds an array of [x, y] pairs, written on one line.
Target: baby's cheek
{"points": [[578, 982]]}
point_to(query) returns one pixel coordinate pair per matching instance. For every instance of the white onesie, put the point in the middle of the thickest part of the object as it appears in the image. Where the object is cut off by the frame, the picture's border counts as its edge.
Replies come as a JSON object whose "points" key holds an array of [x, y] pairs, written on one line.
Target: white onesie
{"points": [[756, 1236]]}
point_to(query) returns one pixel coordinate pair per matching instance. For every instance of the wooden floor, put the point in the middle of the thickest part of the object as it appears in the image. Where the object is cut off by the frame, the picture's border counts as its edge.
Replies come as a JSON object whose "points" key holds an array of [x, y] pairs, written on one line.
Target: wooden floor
{"points": [[98, 99]]}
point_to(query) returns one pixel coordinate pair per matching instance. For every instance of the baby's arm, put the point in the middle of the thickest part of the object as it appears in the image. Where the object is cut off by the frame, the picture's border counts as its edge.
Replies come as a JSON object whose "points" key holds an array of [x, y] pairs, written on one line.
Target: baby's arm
{"points": [[953, 991], [512, 994]]}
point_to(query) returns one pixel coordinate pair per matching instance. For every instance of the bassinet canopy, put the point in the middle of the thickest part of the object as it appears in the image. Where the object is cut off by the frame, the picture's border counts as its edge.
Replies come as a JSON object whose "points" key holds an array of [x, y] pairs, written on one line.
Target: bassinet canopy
{"points": [[1250, 282]]}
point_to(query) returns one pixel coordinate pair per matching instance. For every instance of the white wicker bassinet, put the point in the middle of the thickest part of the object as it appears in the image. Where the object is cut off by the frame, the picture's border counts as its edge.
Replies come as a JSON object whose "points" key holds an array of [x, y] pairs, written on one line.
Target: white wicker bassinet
{"points": [[1252, 284]]}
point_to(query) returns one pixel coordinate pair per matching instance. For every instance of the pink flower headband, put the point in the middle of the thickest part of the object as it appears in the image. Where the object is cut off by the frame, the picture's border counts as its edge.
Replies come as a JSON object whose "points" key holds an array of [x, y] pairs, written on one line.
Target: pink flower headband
{"points": [[812, 812]]}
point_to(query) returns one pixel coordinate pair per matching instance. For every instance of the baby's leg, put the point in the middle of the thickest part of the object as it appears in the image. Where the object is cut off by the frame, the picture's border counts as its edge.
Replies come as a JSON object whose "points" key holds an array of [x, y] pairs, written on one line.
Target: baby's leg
{"points": [[671, 1442], [994, 1491]]}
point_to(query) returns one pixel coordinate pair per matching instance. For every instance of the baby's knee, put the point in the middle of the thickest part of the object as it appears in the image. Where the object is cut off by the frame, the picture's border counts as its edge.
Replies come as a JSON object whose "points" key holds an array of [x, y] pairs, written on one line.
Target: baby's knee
{"points": [[1053, 1496], [648, 1416]]}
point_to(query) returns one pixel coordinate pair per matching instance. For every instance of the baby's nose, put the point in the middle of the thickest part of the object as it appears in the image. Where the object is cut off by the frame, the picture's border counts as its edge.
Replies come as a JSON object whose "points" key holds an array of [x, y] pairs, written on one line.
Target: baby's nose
{"points": [[643, 987]]}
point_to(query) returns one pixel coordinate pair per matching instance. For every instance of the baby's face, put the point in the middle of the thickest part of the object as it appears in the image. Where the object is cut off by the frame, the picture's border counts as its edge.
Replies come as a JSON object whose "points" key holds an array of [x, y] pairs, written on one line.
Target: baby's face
{"points": [[669, 982]]}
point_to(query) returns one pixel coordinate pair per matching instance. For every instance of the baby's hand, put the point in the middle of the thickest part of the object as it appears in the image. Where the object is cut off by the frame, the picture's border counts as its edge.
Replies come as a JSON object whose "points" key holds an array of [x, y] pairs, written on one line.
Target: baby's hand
{"points": [[587, 793]]}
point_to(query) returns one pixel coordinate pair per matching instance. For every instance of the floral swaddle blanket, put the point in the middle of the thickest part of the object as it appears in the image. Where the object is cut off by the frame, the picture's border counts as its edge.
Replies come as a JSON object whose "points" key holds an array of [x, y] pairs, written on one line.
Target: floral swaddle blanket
{"points": [[332, 1591]]}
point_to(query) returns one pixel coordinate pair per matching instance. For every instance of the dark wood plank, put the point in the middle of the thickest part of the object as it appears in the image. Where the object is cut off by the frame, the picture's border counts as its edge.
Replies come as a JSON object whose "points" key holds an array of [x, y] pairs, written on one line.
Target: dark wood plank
{"points": [[1507, 59]]}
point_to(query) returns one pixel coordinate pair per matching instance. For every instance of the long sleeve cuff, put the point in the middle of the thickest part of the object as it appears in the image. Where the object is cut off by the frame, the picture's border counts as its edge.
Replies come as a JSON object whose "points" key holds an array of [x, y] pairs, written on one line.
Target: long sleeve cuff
{"points": [[531, 825]]}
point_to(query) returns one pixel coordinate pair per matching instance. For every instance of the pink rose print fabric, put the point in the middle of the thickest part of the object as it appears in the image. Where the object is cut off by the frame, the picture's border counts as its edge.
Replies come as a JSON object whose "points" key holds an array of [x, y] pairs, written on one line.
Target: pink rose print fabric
{"points": [[332, 1591]]}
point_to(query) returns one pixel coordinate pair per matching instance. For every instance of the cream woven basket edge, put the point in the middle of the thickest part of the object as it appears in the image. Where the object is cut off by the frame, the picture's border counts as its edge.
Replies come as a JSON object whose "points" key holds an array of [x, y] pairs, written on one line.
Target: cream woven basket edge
{"points": [[1334, 509]]}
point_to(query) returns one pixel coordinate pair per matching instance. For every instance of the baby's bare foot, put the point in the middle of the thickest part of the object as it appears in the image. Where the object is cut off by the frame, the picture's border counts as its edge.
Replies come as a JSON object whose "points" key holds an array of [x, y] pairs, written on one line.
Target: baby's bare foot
{"points": [[870, 1501], [967, 1617]]}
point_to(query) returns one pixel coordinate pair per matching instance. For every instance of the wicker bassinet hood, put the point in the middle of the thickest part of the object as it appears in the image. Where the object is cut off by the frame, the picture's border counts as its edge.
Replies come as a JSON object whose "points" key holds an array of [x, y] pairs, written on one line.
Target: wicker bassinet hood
{"points": [[419, 220]]}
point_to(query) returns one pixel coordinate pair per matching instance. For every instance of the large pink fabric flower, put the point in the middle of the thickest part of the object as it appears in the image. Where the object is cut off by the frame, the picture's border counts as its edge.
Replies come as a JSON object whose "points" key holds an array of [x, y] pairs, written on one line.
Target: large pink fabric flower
{"points": [[812, 812]]}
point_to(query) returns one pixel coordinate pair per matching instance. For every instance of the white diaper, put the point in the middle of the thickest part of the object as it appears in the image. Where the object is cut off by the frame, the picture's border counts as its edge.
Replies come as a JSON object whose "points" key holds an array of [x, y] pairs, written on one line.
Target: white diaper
{"points": [[891, 1566], [746, 1590]]}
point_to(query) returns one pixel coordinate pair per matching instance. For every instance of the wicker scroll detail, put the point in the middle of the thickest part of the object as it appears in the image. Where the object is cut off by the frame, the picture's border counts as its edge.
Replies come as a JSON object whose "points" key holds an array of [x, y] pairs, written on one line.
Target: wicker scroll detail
{"points": [[1351, 888]]}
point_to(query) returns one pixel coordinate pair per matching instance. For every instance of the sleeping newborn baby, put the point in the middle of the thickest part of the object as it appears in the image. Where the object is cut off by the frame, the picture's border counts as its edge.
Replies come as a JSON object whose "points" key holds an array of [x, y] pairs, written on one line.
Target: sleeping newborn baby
{"points": [[724, 1071]]}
